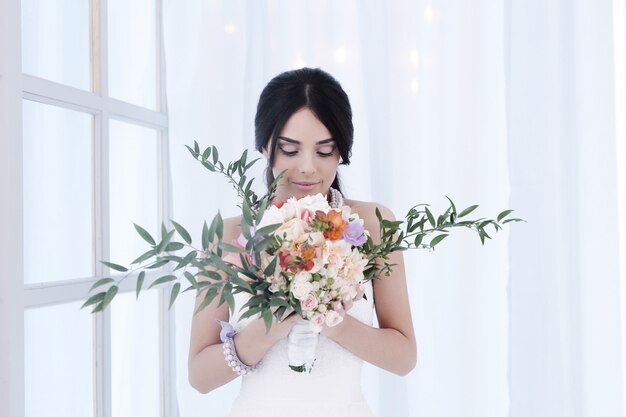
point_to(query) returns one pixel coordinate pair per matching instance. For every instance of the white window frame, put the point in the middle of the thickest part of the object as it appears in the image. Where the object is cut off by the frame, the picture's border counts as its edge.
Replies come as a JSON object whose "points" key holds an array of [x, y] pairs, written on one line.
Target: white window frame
{"points": [[15, 296], [619, 53]]}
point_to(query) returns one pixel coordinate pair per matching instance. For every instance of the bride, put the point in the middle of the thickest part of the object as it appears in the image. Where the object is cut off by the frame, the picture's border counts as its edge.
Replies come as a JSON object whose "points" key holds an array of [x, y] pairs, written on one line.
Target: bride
{"points": [[303, 126]]}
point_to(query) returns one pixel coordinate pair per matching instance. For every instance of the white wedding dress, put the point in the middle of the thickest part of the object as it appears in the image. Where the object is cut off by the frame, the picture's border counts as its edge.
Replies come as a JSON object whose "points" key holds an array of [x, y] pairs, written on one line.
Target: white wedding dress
{"points": [[332, 389]]}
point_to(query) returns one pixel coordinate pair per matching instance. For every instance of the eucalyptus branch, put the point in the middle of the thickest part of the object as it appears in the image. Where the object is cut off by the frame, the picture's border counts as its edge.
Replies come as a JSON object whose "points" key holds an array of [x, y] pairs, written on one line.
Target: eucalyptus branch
{"points": [[215, 276]]}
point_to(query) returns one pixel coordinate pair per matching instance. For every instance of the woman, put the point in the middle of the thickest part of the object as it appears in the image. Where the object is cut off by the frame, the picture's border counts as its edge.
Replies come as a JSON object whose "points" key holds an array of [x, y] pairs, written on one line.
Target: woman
{"points": [[303, 126]]}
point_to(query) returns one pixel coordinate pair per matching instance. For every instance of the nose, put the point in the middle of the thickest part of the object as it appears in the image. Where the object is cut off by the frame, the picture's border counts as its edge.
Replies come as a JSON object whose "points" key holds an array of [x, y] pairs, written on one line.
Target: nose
{"points": [[307, 165]]}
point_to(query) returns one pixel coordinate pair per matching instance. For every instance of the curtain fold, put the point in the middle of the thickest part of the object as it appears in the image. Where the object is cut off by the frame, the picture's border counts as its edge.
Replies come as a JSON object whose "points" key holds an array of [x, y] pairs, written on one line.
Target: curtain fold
{"points": [[565, 348], [505, 104]]}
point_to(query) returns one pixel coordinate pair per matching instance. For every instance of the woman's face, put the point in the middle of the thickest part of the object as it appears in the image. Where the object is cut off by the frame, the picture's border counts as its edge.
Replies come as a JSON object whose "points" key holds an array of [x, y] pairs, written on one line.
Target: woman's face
{"points": [[308, 153]]}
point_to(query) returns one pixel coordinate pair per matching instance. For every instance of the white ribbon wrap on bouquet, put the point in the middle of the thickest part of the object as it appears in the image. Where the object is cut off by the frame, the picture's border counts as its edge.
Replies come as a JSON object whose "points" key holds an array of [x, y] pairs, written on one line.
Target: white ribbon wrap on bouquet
{"points": [[301, 346]]}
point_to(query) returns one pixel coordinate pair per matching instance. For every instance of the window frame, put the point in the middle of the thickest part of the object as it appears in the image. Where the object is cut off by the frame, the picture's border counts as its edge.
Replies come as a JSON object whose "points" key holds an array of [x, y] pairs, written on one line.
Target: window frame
{"points": [[15, 87]]}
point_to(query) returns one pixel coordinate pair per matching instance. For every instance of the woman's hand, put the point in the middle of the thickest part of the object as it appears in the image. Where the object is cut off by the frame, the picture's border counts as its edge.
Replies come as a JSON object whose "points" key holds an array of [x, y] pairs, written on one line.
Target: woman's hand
{"points": [[254, 340], [281, 328]]}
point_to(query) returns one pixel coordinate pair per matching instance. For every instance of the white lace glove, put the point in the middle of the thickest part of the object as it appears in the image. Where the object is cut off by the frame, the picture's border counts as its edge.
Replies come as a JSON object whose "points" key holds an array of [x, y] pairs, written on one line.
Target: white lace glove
{"points": [[302, 342]]}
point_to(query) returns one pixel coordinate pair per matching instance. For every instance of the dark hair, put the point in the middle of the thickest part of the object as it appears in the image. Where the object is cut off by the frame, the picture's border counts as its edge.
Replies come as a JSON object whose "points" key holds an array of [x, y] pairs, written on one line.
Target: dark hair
{"points": [[289, 92]]}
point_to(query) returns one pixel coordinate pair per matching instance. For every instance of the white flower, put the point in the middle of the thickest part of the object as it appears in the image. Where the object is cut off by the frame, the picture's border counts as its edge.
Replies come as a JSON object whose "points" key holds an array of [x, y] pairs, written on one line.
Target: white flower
{"points": [[272, 215], [292, 230], [301, 277], [334, 252], [301, 289], [312, 203], [289, 210], [352, 269], [316, 238], [278, 281]]}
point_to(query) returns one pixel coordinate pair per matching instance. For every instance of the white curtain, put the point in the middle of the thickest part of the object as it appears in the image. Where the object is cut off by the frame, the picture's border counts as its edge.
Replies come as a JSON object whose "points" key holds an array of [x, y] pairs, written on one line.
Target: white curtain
{"points": [[506, 104]]}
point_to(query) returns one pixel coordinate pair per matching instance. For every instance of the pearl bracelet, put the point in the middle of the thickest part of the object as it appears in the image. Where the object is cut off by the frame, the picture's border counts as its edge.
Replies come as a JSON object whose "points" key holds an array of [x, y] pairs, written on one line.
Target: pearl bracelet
{"points": [[230, 354]]}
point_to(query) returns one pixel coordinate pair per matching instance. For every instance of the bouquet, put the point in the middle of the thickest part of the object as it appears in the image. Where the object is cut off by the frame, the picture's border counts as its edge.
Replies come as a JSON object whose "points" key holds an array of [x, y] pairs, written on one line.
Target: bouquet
{"points": [[302, 254]]}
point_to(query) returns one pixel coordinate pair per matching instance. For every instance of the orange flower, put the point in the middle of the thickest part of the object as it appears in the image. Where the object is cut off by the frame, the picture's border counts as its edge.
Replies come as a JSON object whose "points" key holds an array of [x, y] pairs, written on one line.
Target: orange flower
{"points": [[334, 222]]}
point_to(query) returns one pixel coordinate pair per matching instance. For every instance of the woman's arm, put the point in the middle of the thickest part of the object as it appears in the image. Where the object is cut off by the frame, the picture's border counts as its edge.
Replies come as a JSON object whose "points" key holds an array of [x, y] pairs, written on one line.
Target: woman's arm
{"points": [[207, 366], [392, 346]]}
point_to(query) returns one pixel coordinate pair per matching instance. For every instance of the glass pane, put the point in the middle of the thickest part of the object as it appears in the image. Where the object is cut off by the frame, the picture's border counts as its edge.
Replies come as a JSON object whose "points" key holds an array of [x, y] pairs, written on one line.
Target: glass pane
{"points": [[133, 51], [58, 237], [58, 360], [133, 189], [135, 355], [56, 41]]}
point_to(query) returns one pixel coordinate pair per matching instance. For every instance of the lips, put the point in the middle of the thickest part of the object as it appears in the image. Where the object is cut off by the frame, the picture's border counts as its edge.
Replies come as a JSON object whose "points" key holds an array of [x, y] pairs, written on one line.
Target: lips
{"points": [[305, 185]]}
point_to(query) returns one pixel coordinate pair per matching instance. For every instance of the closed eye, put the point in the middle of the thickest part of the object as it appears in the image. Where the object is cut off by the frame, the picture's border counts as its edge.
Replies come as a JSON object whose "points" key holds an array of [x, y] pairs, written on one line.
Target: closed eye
{"points": [[288, 150], [326, 151]]}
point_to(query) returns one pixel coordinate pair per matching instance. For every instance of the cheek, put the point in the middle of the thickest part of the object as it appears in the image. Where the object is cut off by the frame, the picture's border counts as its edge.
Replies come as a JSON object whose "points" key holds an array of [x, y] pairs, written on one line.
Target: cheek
{"points": [[281, 163]]}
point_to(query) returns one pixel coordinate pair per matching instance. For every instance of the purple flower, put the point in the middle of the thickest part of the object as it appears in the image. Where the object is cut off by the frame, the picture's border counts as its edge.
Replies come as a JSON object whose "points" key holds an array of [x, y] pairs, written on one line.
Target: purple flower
{"points": [[355, 234]]}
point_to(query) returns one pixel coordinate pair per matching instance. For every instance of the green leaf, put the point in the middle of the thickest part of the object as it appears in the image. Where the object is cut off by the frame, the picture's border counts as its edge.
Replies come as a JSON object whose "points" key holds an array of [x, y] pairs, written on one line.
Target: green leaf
{"points": [[418, 239], [164, 242], [504, 214], [278, 301], [158, 264], [244, 157], [205, 237], [144, 257], [210, 274], [437, 239], [266, 230], [213, 227], [182, 232], [467, 211], [100, 282], [109, 296], [186, 260], [452, 205], [162, 280], [237, 281], [513, 220], [140, 278], [219, 227], [269, 270], [163, 230], [228, 296], [174, 246], [231, 248], [209, 166], [378, 215], [206, 153], [94, 299], [191, 279], [247, 213], [144, 234], [267, 318], [215, 155], [431, 219], [115, 266], [392, 224], [196, 147], [209, 296], [174, 293], [263, 244], [247, 167]]}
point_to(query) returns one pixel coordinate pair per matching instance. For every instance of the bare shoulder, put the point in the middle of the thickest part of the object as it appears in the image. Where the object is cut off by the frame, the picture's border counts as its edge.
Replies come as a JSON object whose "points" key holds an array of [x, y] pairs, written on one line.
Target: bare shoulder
{"points": [[367, 210]]}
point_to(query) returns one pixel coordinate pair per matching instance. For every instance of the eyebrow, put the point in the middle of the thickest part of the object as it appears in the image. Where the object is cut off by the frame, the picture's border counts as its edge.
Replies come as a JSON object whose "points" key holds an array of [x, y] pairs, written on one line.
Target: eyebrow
{"points": [[321, 142]]}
